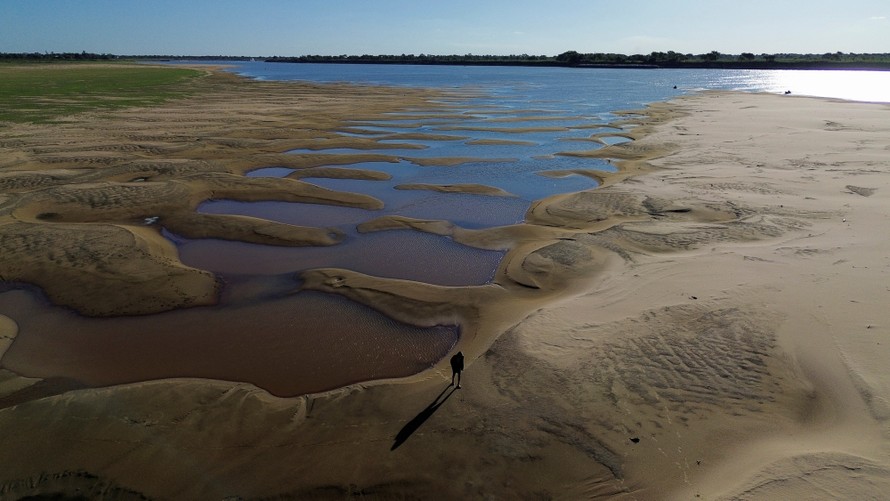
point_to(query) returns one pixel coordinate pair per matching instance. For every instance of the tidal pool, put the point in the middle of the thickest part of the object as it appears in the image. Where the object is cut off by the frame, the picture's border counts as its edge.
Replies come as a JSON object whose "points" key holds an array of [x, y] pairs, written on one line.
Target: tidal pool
{"points": [[284, 342]]}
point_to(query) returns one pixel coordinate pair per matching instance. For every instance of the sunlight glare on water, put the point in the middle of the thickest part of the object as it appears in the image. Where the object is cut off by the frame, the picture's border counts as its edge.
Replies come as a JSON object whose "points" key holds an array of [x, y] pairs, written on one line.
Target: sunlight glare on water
{"points": [[853, 85], [842, 84]]}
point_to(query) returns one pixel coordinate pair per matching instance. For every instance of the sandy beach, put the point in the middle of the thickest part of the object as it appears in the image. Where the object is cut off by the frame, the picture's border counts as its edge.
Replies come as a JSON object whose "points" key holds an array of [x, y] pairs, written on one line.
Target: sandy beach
{"points": [[710, 323]]}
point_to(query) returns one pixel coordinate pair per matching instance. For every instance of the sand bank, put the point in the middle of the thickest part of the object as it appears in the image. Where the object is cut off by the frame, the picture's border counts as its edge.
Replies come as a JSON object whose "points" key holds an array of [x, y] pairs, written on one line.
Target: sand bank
{"points": [[468, 188], [499, 142], [709, 322]]}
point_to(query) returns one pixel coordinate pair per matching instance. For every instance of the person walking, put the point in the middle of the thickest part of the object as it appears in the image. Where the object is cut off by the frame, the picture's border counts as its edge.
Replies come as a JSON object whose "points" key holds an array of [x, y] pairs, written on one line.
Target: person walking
{"points": [[457, 365]]}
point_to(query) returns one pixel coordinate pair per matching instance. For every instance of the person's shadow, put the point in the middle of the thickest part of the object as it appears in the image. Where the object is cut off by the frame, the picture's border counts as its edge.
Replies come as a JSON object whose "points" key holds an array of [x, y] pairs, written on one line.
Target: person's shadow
{"points": [[421, 418]]}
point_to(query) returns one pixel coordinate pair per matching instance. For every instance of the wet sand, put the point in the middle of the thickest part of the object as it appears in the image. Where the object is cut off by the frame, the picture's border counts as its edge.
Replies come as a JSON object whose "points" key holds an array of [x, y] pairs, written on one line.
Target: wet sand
{"points": [[707, 323]]}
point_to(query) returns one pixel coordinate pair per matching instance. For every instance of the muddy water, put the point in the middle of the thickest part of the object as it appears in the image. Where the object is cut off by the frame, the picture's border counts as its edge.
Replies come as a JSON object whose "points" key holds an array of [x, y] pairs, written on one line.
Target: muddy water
{"points": [[403, 254], [288, 344]]}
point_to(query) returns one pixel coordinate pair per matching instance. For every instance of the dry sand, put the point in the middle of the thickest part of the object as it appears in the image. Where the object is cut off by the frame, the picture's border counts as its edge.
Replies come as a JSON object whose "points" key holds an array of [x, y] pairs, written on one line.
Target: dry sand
{"points": [[708, 324]]}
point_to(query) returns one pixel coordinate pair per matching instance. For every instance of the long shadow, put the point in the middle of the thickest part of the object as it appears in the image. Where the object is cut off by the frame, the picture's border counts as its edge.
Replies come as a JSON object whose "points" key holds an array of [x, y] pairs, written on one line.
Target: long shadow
{"points": [[46, 388], [421, 418]]}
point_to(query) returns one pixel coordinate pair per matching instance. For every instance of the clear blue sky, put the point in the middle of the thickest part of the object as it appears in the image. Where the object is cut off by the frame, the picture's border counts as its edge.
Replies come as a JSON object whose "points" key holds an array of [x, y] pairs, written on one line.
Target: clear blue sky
{"points": [[330, 27]]}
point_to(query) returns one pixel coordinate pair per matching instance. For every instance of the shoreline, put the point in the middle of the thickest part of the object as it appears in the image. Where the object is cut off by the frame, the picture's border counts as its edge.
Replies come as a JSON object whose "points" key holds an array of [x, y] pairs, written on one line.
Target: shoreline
{"points": [[791, 172], [650, 336]]}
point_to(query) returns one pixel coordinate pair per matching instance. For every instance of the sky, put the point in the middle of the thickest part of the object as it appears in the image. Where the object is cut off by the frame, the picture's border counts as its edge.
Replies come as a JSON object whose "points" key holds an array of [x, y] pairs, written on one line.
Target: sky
{"points": [[502, 27]]}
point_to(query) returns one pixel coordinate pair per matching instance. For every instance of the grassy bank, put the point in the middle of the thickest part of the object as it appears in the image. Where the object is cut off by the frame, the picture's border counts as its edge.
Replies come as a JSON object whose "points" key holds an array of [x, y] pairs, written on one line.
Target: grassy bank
{"points": [[45, 92]]}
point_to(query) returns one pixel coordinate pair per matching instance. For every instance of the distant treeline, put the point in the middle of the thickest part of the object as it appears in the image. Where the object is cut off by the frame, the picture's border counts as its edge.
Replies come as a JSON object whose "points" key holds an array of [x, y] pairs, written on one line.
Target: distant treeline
{"points": [[55, 56], [193, 58], [89, 56], [467, 59], [669, 59], [746, 60]]}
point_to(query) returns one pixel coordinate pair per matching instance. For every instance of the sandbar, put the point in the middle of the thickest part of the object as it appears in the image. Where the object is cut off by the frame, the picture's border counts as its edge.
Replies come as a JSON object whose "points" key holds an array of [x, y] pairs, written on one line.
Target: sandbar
{"points": [[468, 188]]}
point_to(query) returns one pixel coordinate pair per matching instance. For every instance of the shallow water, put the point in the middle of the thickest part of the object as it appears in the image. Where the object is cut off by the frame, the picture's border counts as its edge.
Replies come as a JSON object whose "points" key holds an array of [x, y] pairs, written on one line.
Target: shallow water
{"points": [[401, 254], [529, 131], [290, 343], [578, 89], [286, 344]]}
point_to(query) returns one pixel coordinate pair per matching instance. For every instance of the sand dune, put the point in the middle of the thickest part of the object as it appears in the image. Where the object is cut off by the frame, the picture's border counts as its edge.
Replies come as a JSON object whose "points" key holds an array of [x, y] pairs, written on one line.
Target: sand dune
{"points": [[709, 323]]}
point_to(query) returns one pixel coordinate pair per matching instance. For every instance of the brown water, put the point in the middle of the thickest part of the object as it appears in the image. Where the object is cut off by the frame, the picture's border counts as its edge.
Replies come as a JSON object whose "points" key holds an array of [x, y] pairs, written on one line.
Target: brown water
{"points": [[403, 254], [262, 332], [287, 344]]}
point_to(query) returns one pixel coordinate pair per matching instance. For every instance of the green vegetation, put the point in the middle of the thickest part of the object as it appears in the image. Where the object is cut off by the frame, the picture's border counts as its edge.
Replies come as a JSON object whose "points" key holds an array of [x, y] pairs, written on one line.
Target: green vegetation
{"points": [[466, 59], [431, 59], [49, 57], [44, 92]]}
